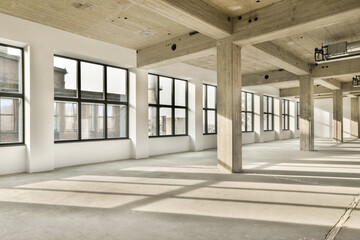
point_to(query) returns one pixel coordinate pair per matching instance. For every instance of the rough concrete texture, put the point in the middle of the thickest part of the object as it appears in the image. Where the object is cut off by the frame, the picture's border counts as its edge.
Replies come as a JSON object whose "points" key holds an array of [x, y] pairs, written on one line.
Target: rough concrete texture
{"points": [[282, 194]]}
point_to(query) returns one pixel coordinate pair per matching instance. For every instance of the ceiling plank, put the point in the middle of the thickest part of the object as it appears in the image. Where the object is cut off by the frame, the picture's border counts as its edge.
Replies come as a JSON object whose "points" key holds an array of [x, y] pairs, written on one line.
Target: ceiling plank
{"points": [[178, 49], [195, 14], [290, 17], [281, 58]]}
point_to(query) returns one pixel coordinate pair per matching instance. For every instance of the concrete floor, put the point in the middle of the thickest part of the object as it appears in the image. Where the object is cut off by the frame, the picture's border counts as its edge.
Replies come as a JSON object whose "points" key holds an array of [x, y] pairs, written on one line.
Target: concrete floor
{"points": [[282, 194]]}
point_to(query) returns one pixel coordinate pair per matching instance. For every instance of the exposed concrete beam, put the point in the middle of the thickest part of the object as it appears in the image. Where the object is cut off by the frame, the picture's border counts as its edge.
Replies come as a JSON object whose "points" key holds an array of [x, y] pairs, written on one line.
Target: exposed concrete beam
{"points": [[337, 69], [195, 14], [290, 17], [330, 83], [178, 49], [347, 89], [294, 92], [281, 58], [268, 77]]}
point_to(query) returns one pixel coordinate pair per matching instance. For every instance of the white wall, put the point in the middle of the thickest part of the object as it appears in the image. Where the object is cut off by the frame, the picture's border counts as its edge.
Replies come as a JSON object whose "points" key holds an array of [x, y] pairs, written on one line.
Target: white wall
{"points": [[41, 43], [165, 145], [323, 112]]}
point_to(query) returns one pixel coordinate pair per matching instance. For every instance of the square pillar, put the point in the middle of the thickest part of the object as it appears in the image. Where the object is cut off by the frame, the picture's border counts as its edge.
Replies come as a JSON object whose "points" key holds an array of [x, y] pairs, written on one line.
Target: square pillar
{"points": [[278, 118], [39, 107], [338, 116], [138, 113], [306, 113], [259, 117], [195, 115], [229, 106], [354, 125]]}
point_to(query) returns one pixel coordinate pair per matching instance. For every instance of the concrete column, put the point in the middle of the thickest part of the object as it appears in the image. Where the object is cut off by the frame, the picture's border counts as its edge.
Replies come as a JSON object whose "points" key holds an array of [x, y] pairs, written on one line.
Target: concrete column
{"points": [[39, 107], [354, 126], [306, 113], [278, 118], [338, 116], [259, 117], [195, 115], [229, 106], [138, 113]]}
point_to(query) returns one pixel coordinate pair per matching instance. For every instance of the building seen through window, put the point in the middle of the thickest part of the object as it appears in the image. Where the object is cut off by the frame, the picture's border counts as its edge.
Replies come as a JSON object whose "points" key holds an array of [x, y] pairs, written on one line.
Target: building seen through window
{"points": [[84, 108], [167, 98], [11, 95], [209, 109]]}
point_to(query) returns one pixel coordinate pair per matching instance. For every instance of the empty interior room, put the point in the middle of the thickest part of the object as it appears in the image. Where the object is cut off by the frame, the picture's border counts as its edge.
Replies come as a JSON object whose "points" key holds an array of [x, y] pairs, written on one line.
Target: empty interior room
{"points": [[179, 119]]}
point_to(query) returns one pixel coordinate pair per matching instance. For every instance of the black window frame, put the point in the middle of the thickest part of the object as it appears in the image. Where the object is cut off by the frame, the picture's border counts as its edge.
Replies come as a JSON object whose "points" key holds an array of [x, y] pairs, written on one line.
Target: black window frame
{"points": [[173, 107], [298, 115], [268, 113], [246, 111], [104, 101], [206, 109], [17, 96], [285, 115]]}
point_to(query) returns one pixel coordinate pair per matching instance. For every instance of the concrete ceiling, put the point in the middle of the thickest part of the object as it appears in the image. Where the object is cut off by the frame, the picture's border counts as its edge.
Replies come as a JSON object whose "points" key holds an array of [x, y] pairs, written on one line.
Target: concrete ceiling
{"points": [[235, 8], [120, 22]]}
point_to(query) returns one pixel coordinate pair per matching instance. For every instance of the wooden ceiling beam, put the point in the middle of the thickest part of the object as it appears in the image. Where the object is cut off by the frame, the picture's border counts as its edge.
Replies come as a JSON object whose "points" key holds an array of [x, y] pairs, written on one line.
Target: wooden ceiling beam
{"points": [[281, 58], [195, 14], [290, 17]]}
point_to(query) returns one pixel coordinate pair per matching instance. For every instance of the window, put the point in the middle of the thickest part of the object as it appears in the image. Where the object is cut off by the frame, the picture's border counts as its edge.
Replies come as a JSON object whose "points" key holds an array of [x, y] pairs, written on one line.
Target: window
{"points": [[247, 111], [298, 115], [268, 113], [209, 109], [285, 114], [91, 100], [168, 113], [11, 95]]}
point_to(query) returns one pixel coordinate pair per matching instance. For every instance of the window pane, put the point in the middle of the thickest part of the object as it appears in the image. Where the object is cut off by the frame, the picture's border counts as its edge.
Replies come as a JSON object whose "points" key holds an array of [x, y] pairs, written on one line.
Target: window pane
{"points": [[211, 119], [11, 120], [117, 121], [271, 122], [249, 101], [283, 106], [271, 104], [204, 96], [165, 90], [116, 84], [243, 101], [180, 93], [92, 81], [65, 77], [152, 89], [249, 122], [152, 121], [243, 121], [165, 121], [211, 96], [66, 121], [10, 69], [265, 104], [92, 121], [180, 121], [204, 121], [265, 122]]}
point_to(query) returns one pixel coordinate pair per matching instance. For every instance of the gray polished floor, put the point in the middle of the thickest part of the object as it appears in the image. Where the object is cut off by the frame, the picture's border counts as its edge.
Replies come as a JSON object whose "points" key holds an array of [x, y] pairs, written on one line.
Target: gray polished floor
{"points": [[282, 194]]}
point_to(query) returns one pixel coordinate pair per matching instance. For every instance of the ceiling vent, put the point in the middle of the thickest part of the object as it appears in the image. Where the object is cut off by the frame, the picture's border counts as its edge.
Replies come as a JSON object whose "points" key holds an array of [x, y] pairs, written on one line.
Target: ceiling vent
{"points": [[337, 51]]}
